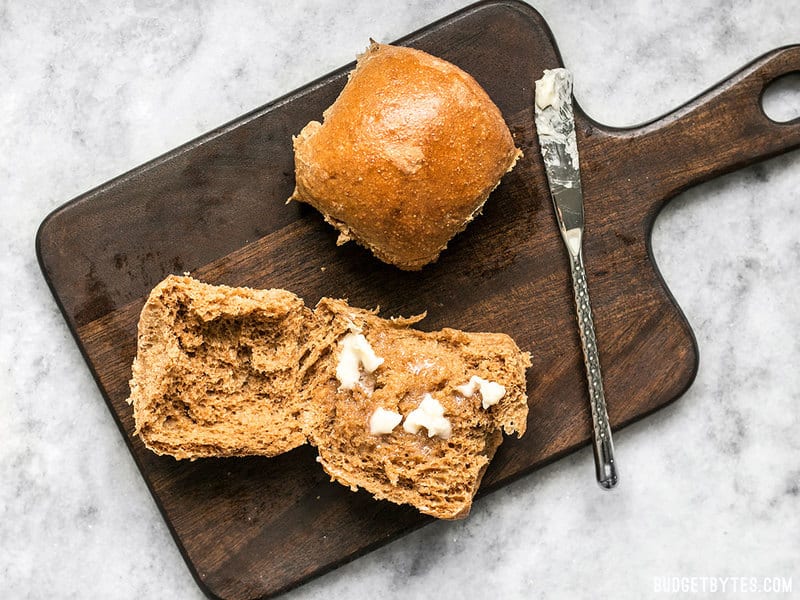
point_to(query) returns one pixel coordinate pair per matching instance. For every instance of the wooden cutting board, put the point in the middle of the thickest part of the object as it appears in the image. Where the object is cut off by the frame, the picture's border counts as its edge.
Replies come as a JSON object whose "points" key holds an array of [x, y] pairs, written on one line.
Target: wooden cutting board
{"points": [[254, 527]]}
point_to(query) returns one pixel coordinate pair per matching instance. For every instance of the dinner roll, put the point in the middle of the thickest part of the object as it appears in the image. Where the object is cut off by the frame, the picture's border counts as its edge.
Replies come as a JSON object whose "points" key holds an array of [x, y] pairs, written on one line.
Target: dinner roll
{"points": [[405, 157]]}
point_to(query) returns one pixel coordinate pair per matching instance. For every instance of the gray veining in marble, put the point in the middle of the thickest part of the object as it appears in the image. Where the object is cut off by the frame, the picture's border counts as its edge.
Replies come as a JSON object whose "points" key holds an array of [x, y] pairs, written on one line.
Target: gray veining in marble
{"points": [[710, 484]]}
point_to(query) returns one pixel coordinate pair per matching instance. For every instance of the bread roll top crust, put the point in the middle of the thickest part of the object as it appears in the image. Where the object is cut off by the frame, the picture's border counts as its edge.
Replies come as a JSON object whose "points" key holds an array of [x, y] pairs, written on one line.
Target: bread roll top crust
{"points": [[405, 156]]}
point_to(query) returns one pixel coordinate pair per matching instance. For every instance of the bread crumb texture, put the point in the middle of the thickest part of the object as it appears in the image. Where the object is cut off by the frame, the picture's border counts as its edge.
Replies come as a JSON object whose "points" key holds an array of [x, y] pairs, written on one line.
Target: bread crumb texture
{"points": [[224, 371], [215, 370], [405, 157]]}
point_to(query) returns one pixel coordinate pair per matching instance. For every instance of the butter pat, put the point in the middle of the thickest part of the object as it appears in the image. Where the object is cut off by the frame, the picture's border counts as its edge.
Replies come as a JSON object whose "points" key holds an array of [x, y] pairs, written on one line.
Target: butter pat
{"points": [[355, 354], [430, 415], [546, 89], [491, 392], [383, 421]]}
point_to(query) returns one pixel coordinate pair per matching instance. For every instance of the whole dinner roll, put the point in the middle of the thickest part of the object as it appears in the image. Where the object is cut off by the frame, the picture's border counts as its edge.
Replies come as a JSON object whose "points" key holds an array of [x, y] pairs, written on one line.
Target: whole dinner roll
{"points": [[405, 157]]}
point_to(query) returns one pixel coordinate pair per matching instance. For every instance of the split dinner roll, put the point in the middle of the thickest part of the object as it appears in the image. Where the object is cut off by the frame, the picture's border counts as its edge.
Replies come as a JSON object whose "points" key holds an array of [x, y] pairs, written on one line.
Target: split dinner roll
{"points": [[405, 157]]}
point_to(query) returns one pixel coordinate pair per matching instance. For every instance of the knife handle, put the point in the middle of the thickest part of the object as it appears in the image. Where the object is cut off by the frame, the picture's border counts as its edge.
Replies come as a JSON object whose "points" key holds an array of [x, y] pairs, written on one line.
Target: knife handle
{"points": [[604, 461]]}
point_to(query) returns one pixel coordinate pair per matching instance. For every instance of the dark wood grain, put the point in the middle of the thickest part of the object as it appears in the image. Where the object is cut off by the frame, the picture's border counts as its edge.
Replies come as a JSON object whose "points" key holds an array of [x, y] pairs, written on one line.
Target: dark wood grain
{"points": [[253, 527]]}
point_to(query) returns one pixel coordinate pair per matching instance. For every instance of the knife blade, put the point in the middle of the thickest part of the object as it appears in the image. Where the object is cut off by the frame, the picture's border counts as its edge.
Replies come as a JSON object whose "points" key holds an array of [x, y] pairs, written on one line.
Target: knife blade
{"points": [[555, 127]]}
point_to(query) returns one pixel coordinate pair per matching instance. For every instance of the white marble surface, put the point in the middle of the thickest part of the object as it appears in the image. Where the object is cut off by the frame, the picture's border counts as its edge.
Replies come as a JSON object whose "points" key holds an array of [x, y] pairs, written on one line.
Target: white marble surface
{"points": [[710, 488]]}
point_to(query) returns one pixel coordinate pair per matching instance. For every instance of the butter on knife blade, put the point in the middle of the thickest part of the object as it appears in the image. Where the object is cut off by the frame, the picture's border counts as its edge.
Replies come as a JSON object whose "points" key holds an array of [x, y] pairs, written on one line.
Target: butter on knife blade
{"points": [[555, 126]]}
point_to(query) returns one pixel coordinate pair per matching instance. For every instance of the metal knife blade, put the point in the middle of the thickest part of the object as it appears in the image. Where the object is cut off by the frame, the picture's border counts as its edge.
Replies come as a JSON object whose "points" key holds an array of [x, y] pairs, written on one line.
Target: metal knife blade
{"points": [[555, 126]]}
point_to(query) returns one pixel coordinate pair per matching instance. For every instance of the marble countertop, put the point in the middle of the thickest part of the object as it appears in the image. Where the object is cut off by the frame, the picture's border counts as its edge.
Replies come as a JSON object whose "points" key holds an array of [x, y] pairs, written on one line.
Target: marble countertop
{"points": [[710, 484]]}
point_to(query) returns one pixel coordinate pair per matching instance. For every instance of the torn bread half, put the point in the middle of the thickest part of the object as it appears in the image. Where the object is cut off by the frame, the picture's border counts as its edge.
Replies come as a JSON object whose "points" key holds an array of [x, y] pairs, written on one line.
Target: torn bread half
{"points": [[435, 458], [215, 372]]}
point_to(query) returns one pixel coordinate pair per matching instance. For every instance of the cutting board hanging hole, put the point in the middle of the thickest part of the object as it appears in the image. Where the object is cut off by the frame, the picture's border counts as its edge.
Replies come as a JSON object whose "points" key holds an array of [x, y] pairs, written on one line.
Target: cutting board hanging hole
{"points": [[781, 98]]}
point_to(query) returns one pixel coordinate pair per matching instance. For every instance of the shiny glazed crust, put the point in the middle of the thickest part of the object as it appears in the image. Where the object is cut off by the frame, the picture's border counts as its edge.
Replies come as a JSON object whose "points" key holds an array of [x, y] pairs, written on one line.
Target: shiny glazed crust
{"points": [[406, 156]]}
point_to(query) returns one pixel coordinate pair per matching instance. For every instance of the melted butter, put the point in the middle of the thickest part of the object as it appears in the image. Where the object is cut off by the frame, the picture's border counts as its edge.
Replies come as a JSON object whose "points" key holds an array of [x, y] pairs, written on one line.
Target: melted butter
{"points": [[430, 415], [490, 392], [355, 354]]}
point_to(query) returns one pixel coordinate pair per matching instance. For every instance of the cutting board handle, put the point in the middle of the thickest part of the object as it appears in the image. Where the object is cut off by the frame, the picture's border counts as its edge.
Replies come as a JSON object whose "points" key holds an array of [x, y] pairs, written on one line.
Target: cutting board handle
{"points": [[721, 130]]}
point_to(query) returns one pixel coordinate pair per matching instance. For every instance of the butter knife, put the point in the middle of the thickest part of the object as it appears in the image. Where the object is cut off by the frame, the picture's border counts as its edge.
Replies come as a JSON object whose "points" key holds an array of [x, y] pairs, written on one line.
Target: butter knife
{"points": [[555, 126]]}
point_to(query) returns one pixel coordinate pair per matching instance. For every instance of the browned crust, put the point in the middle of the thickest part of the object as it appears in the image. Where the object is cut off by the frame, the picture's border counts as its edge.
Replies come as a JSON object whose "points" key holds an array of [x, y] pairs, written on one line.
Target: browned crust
{"points": [[406, 156]]}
